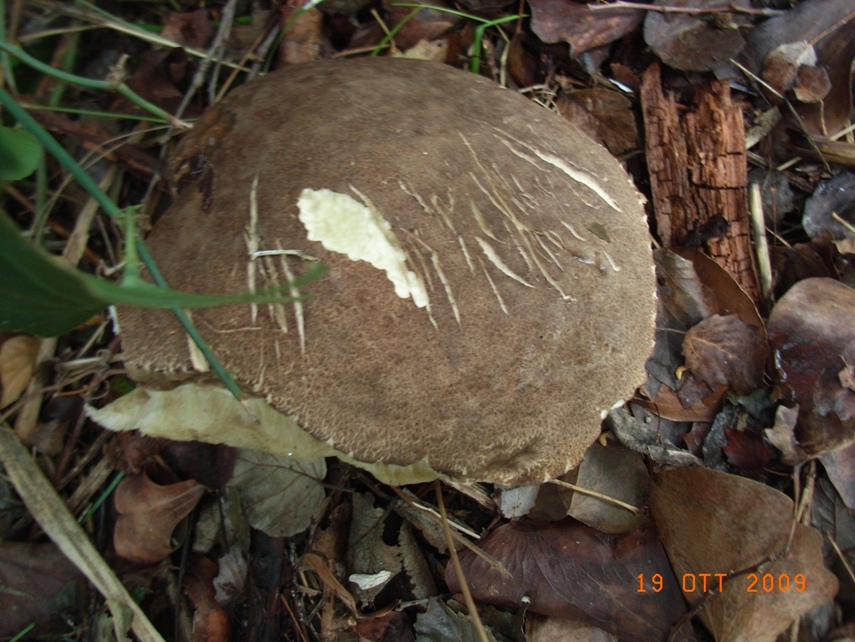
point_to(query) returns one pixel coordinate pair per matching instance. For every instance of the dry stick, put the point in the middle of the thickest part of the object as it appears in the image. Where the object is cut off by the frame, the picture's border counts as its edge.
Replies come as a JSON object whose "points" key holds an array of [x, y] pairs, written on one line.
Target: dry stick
{"points": [[758, 226], [458, 570], [54, 517], [592, 493], [730, 8]]}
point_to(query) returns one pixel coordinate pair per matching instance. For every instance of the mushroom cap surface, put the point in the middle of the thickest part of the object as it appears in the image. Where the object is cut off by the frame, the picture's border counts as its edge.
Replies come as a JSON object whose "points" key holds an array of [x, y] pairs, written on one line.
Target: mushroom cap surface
{"points": [[489, 291]]}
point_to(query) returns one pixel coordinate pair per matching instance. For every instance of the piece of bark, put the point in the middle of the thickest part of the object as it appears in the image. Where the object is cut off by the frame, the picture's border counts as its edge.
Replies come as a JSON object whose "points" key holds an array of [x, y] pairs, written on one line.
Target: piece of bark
{"points": [[698, 175]]}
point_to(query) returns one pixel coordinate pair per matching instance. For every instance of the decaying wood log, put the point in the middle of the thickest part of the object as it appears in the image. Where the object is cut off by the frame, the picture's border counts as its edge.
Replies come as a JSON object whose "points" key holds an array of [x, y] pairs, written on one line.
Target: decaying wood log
{"points": [[698, 174]]}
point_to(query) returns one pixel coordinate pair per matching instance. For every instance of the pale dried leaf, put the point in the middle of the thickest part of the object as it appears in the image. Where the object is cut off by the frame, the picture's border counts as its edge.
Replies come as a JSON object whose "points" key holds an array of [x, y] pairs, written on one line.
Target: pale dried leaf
{"points": [[17, 358], [279, 495]]}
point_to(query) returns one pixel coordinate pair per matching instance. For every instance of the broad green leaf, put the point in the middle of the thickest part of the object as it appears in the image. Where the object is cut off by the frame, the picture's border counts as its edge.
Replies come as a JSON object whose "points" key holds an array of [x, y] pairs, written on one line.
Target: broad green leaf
{"points": [[20, 152], [41, 295]]}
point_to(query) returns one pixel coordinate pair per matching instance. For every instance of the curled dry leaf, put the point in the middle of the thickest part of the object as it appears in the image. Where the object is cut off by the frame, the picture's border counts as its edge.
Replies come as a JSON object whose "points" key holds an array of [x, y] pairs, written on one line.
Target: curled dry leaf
{"points": [[745, 525], [726, 351], [148, 513], [828, 25], [569, 569], [17, 358], [812, 333]]}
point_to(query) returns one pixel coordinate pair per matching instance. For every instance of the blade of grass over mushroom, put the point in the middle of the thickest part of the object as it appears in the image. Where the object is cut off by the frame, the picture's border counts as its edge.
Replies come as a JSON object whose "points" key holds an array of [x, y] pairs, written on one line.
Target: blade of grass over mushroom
{"points": [[113, 210], [45, 297]]}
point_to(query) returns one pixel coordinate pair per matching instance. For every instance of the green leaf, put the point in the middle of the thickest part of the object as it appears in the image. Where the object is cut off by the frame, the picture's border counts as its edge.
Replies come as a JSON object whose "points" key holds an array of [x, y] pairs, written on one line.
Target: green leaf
{"points": [[41, 295], [20, 153]]}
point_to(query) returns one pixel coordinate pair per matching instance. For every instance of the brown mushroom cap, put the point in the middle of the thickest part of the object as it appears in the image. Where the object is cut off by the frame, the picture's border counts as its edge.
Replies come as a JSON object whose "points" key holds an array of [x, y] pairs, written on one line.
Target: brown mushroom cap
{"points": [[510, 302]]}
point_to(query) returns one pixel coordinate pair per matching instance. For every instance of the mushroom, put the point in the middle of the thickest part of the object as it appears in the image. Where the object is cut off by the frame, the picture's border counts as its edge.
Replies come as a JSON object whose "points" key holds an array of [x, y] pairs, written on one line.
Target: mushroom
{"points": [[489, 292]]}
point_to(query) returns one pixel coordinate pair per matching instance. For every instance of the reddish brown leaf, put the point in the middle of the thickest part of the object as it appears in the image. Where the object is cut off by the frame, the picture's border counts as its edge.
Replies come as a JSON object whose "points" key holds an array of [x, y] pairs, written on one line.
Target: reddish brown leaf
{"points": [[148, 513], [813, 335], [577, 25], [192, 28], [567, 568], [725, 351], [210, 621], [746, 450]]}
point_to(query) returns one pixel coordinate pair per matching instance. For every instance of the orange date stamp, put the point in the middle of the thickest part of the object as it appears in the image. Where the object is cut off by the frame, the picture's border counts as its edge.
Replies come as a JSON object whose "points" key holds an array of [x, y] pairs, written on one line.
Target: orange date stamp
{"points": [[719, 582]]}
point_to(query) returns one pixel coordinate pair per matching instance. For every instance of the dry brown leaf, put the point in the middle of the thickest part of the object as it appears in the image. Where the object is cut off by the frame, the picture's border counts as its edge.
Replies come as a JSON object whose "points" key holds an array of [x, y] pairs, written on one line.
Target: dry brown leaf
{"points": [[148, 513], [38, 583], [828, 25], [569, 569], [578, 26], [725, 351], [840, 466], [812, 333], [605, 115], [191, 28], [17, 358], [691, 41], [713, 524]]}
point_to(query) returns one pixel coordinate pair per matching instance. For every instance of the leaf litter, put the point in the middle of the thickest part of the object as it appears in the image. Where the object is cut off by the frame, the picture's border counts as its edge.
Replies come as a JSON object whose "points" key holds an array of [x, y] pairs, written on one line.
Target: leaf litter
{"points": [[718, 447]]}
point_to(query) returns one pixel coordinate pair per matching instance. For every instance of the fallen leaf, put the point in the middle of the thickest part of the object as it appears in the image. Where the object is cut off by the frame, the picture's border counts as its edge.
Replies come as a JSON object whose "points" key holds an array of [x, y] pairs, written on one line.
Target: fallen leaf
{"points": [[552, 629], [367, 553], [782, 436], [605, 115], [390, 627], [38, 582], [518, 501], [17, 359], [745, 528], [210, 621], [833, 196], [691, 41], [746, 450], [439, 623], [190, 28], [827, 24], [279, 495], [615, 472], [811, 331], [148, 514], [580, 27], [725, 351], [569, 569], [840, 466]]}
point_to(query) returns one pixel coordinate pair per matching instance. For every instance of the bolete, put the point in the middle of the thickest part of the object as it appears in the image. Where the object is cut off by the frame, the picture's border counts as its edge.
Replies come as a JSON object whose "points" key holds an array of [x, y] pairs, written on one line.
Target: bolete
{"points": [[489, 291]]}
